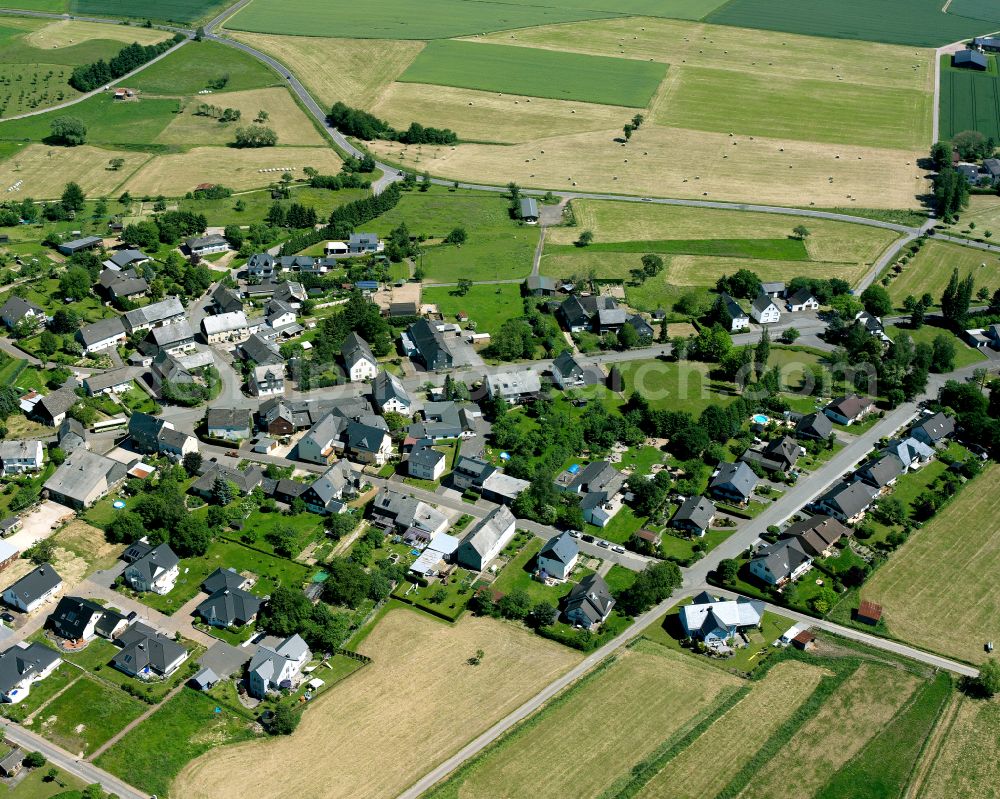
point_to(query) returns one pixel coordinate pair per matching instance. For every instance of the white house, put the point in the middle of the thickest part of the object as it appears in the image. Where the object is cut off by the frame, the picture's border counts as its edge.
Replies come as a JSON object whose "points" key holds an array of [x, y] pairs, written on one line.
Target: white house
{"points": [[359, 361], [740, 320], [277, 666], [426, 463], [156, 571], [34, 589], [764, 310], [207, 245], [267, 381], [486, 539], [101, 335], [558, 557], [225, 327], [24, 664], [19, 456], [389, 395], [802, 300]]}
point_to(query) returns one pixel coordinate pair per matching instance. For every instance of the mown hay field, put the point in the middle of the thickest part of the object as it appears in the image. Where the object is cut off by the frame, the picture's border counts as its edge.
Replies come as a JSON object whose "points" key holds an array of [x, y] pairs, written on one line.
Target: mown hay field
{"points": [[706, 766], [958, 548], [415, 705], [65, 33], [649, 694], [44, 171], [536, 73], [714, 165], [965, 762], [175, 175], [284, 117], [851, 716], [930, 270]]}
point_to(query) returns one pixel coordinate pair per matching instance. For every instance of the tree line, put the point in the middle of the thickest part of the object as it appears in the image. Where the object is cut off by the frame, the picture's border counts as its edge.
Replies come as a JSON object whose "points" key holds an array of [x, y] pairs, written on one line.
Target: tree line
{"points": [[87, 77], [344, 220], [355, 122]]}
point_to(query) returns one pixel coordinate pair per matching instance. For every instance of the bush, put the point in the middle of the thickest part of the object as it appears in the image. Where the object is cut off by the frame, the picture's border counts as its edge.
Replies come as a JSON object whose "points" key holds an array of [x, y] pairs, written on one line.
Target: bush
{"points": [[255, 136]]}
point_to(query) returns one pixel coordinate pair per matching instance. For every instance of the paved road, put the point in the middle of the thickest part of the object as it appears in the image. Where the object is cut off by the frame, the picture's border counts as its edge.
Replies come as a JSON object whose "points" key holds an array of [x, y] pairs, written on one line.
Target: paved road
{"points": [[85, 771]]}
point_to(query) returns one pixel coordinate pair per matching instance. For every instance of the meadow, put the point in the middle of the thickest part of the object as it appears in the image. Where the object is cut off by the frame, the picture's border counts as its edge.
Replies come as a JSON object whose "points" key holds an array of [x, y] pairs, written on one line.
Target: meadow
{"points": [[195, 66], [964, 763], [916, 22], [442, 19], [969, 101], [960, 547], [488, 306], [684, 386], [536, 73], [964, 354], [643, 698], [402, 724], [182, 11], [930, 270], [44, 170]]}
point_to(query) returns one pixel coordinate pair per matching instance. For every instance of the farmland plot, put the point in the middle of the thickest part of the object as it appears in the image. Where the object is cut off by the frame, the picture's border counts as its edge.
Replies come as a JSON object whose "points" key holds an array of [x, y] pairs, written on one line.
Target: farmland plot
{"points": [[966, 763]]}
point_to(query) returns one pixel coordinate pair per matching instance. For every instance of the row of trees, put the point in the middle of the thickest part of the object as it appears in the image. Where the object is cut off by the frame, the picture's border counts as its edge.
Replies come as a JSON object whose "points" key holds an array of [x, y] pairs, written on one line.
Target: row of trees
{"points": [[345, 219], [87, 77], [355, 122]]}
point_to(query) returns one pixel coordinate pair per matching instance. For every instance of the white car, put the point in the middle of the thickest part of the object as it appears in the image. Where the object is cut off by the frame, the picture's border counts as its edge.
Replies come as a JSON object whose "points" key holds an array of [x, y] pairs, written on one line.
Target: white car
{"points": [[574, 533]]}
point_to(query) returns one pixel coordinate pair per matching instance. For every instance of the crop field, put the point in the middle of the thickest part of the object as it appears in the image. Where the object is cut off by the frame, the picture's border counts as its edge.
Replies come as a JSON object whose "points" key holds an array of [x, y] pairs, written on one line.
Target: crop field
{"points": [[629, 221], [183, 11], [442, 19], [714, 165], [931, 270], [496, 249], [536, 73], [978, 9], [965, 763], [916, 22], [706, 766], [969, 101], [492, 117], [193, 67], [284, 117], [797, 108], [54, 6], [175, 175], [355, 71], [45, 170], [401, 723], [847, 720], [962, 546], [646, 696]]}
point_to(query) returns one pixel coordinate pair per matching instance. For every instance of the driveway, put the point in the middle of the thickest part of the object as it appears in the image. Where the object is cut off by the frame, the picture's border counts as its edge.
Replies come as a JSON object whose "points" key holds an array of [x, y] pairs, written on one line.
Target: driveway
{"points": [[40, 524]]}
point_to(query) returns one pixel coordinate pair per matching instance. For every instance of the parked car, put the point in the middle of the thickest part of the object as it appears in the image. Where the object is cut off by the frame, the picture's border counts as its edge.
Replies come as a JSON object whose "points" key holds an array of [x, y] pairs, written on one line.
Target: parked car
{"points": [[588, 538], [602, 543], [619, 549], [574, 533]]}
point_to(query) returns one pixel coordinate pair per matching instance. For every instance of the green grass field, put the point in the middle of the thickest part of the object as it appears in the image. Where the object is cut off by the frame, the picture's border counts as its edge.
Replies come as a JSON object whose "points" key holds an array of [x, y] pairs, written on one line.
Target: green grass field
{"points": [[772, 249], [916, 22], [190, 69], [969, 101], [87, 715], [931, 269], [964, 354], [798, 108], [183, 11], [964, 761], [441, 19], [536, 73], [488, 306], [152, 754], [497, 247], [979, 9], [53, 6], [684, 386], [960, 547]]}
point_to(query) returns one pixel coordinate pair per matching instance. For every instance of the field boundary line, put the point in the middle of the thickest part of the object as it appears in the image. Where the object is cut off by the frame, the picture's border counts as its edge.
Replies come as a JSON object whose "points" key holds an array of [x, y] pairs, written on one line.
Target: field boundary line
{"points": [[940, 732]]}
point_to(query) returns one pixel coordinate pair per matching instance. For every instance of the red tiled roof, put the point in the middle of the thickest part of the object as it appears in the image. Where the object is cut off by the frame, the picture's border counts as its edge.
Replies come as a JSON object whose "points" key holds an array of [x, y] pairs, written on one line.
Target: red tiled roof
{"points": [[869, 610]]}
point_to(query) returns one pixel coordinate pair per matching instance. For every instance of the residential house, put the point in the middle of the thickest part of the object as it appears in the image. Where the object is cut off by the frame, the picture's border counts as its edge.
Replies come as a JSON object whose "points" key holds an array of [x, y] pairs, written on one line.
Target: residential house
{"points": [[224, 578], [429, 345], [156, 314], [12, 762], [781, 562], [18, 456], [151, 435], [267, 381], [590, 603], [816, 535], [229, 424], [391, 509], [368, 444], [276, 665], [775, 290], [443, 420], [225, 327], [184, 369], [34, 589], [364, 244], [207, 245], [291, 293], [229, 607], [514, 387], [359, 361], [557, 557], [695, 515], [802, 300], [539, 286], [718, 621], [69, 248], [873, 325], [113, 381], [245, 481], [764, 310], [323, 441], [933, 430], [847, 502], [260, 350], [436, 555], [882, 472], [122, 285], [101, 335], [470, 472], [733, 482], [121, 260], [9, 526], [261, 266], [566, 372], [77, 619], [156, 571], [426, 463], [600, 484], [850, 409], [502, 488], [911, 452], [643, 329], [280, 316], [71, 435], [597, 313], [20, 667], [329, 492], [528, 210], [83, 479], [740, 320], [225, 300], [779, 455], [486, 539], [146, 653], [175, 338], [389, 395], [814, 426], [17, 310]]}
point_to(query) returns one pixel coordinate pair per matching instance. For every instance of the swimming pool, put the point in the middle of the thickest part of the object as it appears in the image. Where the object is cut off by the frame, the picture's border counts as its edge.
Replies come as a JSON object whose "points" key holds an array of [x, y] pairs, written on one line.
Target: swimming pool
{"points": [[760, 419]]}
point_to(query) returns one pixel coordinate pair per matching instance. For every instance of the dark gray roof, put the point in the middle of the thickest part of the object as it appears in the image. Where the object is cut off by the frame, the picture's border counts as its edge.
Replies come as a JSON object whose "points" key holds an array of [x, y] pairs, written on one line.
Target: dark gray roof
{"points": [[937, 427], [817, 425], [782, 557], [696, 510], [36, 583], [145, 431], [261, 351], [355, 349], [599, 476], [386, 387], [592, 597], [882, 471], [143, 647], [565, 364], [763, 302], [850, 498], [226, 299], [427, 457], [529, 208], [155, 313], [732, 307], [430, 344], [99, 381], [800, 297], [736, 477], [364, 437], [16, 308], [160, 558], [245, 481], [561, 548], [331, 485], [211, 240], [233, 418], [72, 615], [222, 578], [229, 606], [101, 330], [22, 661]]}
